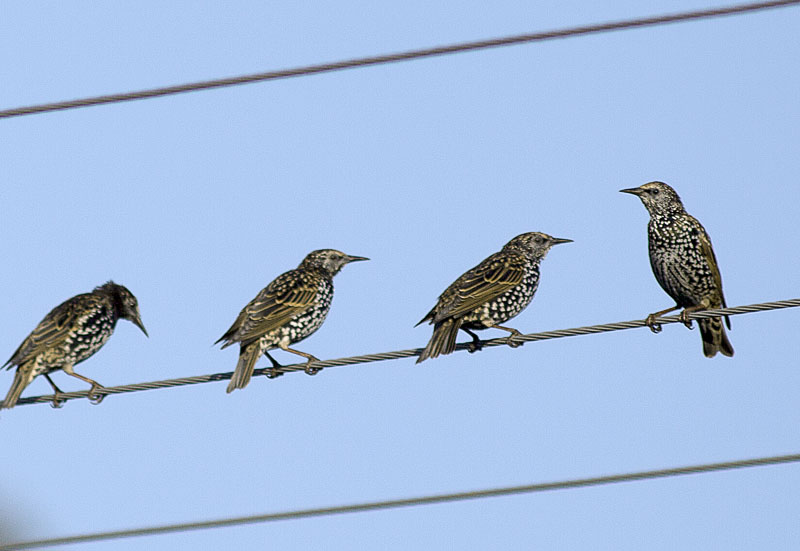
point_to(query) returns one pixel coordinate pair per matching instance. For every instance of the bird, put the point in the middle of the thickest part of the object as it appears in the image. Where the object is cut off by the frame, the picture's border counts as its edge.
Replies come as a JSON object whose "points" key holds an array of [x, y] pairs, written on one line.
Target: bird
{"points": [[489, 294], [72, 332], [684, 264], [286, 311]]}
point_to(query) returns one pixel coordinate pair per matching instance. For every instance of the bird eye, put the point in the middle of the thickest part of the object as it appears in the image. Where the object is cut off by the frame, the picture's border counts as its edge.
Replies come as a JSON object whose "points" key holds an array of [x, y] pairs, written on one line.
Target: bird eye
{"points": [[654, 191], [538, 240]]}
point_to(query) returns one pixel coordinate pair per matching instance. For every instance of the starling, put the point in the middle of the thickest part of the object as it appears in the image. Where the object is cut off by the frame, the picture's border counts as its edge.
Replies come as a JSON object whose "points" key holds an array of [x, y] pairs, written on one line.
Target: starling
{"points": [[491, 293], [69, 334], [684, 264], [286, 311]]}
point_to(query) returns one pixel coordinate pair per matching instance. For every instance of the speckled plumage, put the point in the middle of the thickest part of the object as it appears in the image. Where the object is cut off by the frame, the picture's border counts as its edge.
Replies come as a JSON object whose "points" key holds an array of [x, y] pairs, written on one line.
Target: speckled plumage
{"points": [[684, 263], [489, 294], [287, 311], [72, 332]]}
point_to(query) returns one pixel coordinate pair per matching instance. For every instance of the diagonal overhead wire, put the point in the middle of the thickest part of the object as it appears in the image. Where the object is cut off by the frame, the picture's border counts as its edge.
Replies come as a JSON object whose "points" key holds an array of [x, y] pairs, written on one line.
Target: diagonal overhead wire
{"points": [[407, 502], [408, 353], [399, 56]]}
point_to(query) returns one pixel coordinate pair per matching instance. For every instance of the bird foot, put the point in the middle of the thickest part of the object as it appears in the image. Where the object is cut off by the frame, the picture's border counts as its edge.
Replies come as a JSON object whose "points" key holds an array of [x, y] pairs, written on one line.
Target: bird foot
{"points": [[273, 373], [312, 370], [511, 342], [57, 402], [474, 346], [651, 323], [95, 398], [684, 317]]}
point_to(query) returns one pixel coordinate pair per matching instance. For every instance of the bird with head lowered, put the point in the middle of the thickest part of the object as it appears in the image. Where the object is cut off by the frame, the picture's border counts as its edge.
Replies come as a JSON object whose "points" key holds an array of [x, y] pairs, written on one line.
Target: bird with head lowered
{"points": [[68, 335]]}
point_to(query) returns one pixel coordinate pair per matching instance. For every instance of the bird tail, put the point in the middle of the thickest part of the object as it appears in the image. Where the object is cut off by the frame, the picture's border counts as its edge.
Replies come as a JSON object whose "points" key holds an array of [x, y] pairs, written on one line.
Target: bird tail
{"points": [[22, 378], [248, 355], [714, 338], [443, 340]]}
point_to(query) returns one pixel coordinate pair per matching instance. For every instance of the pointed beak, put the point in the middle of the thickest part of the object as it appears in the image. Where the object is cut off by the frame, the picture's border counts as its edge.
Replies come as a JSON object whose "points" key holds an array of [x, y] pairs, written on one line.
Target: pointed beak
{"points": [[356, 258], [559, 240], [632, 191], [137, 321]]}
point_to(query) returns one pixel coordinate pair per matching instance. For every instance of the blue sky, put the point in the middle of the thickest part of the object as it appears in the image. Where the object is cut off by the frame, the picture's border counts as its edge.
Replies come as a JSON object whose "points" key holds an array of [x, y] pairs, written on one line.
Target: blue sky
{"points": [[196, 202]]}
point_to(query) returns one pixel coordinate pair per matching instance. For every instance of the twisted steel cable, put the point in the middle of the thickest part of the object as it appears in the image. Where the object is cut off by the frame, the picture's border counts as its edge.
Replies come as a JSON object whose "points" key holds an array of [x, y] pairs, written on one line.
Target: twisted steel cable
{"points": [[412, 352]]}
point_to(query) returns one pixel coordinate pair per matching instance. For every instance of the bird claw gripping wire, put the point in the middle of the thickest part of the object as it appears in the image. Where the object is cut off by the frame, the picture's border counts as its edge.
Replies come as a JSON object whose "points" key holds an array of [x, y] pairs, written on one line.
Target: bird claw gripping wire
{"points": [[95, 398], [510, 339], [273, 373], [651, 323], [684, 317], [312, 370], [56, 402], [474, 346]]}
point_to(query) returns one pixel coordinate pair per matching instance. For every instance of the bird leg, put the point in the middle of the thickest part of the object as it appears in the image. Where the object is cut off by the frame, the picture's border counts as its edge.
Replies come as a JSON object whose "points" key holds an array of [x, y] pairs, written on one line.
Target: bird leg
{"points": [[311, 359], [57, 402], [651, 319], [271, 374], [93, 398], [514, 333], [476, 343], [684, 317]]}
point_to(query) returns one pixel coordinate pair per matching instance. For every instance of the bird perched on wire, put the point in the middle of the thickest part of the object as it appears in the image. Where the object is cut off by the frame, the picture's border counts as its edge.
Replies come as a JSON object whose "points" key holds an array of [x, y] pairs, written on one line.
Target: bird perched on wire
{"points": [[286, 311], [489, 294], [69, 334], [684, 264]]}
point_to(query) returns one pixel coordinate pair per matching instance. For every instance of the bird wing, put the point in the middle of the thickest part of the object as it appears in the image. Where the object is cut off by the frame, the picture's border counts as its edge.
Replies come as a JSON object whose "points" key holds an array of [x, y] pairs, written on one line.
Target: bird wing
{"points": [[711, 258], [288, 296], [53, 328], [485, 282]]}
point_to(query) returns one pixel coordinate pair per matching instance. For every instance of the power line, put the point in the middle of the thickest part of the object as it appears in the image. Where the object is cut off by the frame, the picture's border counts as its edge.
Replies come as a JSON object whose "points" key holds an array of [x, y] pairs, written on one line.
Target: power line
{"points": [[368, 358], [407, 502], [396, 57]]}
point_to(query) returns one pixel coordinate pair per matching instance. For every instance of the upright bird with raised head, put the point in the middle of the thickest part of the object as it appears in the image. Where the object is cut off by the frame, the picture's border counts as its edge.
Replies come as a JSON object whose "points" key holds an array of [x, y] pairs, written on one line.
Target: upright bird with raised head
{"points": [[489, 294], [286, 311], [68, 335], [684, 264]]}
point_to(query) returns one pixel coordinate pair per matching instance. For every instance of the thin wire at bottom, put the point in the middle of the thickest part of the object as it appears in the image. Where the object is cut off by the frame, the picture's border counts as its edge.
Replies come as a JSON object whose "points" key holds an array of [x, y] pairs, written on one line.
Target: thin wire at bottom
{"points": [[408, 502]]}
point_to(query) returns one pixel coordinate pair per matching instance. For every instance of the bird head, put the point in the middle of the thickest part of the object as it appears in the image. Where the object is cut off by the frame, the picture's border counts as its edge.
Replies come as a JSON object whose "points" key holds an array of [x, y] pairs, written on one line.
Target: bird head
{"points": [[329, 260], [658, 197], [126, 304], [534, 244]]}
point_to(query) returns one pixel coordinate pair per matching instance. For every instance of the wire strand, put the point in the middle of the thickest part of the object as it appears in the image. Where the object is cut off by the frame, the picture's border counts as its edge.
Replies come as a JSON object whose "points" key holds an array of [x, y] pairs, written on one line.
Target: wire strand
{"points": [[369, 358], [407, 502], [399, 56]]}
